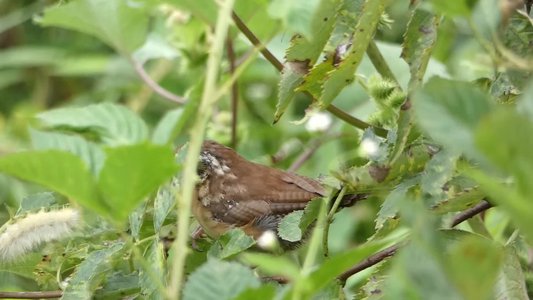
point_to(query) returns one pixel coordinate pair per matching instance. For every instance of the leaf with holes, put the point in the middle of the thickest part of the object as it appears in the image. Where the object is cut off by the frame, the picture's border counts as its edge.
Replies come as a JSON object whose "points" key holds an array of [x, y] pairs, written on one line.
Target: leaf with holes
{"points": [[344, 74], [303, 53], [92, 272], [419, 39]]}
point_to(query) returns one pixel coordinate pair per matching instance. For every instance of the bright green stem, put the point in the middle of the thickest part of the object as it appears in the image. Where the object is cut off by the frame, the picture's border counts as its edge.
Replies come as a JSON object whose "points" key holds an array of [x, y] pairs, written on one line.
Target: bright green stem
{"points": [[379, 62], [197, 133], [312, 251], [329, 220]]}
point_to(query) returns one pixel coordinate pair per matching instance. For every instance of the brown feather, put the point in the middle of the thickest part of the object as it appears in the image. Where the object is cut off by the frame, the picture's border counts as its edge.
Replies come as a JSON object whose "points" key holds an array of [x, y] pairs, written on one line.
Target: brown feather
{"points": [[235, 192]]}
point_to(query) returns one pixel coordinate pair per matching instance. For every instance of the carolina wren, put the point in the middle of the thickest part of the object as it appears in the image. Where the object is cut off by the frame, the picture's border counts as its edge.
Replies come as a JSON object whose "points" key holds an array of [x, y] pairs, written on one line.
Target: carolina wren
{"points": [[234, 192]]}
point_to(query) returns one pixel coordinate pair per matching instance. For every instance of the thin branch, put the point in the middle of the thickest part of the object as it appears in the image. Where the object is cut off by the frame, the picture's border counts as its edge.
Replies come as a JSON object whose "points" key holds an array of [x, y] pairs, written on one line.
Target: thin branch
{"points": [[255, 41], [369, 262], [379, 62], [306, 155], [31, 295], [279, 66], [161, 91], [234, 91], [390, 251], [339, 113], [469, 213]]}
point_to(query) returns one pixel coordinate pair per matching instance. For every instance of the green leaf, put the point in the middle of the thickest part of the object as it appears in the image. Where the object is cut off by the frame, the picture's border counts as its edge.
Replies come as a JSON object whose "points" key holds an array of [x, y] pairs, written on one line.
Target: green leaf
{"points": [[290, 79], [314, 79], [449, 111], [118, 285], [391, 205], [264, 292], [31, 56], [219, 280], [24, 267], [131, 173], [297, 15], [418, 273], [163, 133], [458, 201], [155, 47], [91, 272], [511, 282], [524, 104], [114, 124], [455, 8], [60, 171], [121, 24], [508, 198], [336, 265], [289, 226], [89, 152], [206, 10], [36, 201], [473, 265], [419, 39], [273, 265], [174, 123], [344, 73], [308, 49], [163, 203], [505, 138], [231, 243], [486, 17], [311, 211], [304, 52], [438, 171], [136, 219], [156, 260]]}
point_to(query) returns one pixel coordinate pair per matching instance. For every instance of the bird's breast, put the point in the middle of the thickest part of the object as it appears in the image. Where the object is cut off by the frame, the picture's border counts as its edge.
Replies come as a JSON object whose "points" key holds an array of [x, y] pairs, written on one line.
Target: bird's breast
{"points": [[205, 218]]}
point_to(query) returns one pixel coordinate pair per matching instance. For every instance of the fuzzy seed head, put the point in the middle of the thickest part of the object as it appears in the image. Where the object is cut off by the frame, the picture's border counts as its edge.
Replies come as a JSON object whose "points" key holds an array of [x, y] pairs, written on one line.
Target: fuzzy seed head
{"points": [[21, 236]]}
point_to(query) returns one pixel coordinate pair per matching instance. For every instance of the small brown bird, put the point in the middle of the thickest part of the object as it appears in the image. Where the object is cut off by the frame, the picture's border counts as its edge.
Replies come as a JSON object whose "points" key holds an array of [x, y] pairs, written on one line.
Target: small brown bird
{"points": [[234, 192]]}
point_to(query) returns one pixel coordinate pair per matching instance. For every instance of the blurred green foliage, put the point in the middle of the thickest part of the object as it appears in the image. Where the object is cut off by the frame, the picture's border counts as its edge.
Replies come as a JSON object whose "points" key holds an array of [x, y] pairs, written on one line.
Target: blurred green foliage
{"points": [[433, 113]]}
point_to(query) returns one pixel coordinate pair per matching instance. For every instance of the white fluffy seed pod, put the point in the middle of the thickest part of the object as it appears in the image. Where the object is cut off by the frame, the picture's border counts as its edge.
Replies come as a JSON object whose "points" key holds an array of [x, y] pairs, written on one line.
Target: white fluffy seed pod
{"points": [[20, 236]]}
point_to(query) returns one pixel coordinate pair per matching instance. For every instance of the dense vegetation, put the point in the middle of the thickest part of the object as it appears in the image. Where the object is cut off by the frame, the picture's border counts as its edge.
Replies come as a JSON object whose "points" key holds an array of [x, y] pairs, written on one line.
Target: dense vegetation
{"points": [[426, 107]]}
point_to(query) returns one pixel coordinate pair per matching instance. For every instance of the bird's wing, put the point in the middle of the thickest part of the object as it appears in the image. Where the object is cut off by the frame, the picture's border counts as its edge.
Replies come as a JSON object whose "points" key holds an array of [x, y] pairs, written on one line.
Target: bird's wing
{"points": [[244, 212], [307, 184]]}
